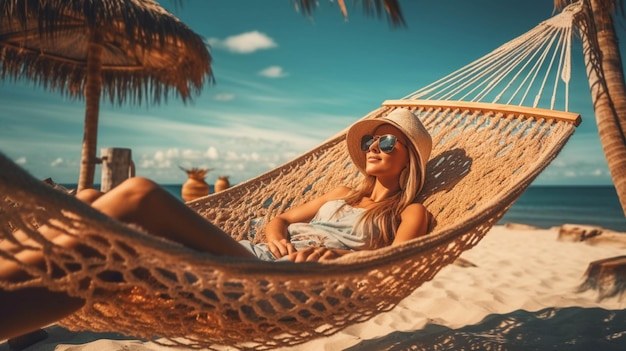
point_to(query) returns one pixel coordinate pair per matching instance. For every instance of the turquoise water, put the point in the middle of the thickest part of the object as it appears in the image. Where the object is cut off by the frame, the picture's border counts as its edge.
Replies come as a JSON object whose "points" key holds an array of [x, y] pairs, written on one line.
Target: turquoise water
{"points": [[548, 206]]}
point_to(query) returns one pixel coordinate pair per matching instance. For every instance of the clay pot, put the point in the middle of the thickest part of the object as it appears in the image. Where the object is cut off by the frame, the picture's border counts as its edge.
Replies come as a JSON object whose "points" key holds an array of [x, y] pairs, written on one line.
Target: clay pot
{"points": [[195, 186], [221, 183]]}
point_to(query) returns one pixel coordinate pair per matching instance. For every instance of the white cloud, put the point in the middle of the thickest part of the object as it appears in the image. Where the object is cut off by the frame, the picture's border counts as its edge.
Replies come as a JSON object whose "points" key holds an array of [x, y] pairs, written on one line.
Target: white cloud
{"points": [[231, 156], [58, 161], [224, 97], [273, 72], [570, 173], [21, 160], [212, 153], [238, 157], [189, 154], [146, 163], [162, 156], [244, 43]]}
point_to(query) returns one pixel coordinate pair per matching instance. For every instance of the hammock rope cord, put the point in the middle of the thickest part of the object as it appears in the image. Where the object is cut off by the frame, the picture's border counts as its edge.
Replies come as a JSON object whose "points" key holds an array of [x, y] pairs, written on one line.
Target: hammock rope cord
{"points": [[515, 65], [485, 155]]}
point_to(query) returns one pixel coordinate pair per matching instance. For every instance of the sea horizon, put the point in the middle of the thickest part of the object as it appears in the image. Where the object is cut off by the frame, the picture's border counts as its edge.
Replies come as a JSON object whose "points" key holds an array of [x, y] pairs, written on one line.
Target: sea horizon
{"points": [[542, 206]]}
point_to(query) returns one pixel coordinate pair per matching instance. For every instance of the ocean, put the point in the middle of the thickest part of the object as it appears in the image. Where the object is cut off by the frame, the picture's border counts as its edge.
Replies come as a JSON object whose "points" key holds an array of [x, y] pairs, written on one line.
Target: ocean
{"points": [[548, 206]]}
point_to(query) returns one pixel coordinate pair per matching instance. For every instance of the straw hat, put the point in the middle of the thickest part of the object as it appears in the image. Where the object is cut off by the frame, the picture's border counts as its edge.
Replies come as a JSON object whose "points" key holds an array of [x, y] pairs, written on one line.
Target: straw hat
{"points": [[406, 122]]}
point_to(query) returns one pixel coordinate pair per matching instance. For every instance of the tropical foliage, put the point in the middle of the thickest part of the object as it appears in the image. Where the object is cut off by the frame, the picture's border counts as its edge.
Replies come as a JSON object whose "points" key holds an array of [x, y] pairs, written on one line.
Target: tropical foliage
{"points": [[390, 8]]}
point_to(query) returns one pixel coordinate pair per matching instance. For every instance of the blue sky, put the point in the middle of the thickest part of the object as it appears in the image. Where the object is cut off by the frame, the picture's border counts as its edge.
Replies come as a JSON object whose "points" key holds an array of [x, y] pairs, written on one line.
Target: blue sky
{"points": [[285, 83]]}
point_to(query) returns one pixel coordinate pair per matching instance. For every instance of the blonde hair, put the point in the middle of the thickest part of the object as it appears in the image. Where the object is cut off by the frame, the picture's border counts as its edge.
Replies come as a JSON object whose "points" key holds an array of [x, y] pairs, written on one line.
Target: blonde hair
{"points": [[381, 220]]}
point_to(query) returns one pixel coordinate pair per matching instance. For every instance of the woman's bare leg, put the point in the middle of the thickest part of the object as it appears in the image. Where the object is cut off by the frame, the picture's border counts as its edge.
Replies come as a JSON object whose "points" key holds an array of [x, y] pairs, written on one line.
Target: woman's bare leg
{"points": [[137, 200], [142, 202], [29, 309], [89, 195]]}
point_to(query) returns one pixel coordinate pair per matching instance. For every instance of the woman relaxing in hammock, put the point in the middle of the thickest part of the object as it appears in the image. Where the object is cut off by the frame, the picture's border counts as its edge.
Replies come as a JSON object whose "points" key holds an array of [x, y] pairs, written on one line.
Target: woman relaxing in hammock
{"points": [[391, 151]]}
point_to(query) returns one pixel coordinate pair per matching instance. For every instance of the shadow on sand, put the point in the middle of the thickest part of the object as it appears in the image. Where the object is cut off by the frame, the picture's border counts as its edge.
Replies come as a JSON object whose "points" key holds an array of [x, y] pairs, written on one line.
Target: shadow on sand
{"points": [[572, 328]]}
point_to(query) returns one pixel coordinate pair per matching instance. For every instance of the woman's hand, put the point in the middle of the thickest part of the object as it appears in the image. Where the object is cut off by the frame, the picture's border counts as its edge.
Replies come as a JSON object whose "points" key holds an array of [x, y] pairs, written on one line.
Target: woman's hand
{"points": [[316, 254], [280, 248]]}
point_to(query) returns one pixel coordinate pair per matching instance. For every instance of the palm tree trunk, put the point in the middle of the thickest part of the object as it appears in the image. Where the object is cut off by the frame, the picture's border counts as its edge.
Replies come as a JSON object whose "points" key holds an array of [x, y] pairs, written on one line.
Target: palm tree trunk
{"points": [[608, 91], [93, 88]]}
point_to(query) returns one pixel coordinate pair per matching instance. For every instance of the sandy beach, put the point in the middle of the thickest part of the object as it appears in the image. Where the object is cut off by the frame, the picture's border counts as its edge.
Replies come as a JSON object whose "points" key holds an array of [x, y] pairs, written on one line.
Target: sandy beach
{"points": [[518, 289]]}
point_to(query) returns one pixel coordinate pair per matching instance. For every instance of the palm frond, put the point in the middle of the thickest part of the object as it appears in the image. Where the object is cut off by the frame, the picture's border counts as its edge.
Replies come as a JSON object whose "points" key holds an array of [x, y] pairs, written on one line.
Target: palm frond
{"points": [[390, 8]]}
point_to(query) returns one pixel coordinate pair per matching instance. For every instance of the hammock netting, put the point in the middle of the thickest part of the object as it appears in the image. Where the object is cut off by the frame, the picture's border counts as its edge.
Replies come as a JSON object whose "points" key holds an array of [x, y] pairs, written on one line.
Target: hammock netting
{"points": [[485, 155]]}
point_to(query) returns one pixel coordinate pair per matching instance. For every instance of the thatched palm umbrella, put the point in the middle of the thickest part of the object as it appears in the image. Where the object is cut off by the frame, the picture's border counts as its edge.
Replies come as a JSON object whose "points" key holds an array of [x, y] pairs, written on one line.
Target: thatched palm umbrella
{"points": [[123, 49]]}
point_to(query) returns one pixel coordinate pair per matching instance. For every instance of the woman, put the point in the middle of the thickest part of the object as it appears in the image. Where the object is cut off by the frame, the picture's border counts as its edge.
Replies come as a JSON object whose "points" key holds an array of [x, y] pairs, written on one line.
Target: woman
{"points": [[391, 152]]}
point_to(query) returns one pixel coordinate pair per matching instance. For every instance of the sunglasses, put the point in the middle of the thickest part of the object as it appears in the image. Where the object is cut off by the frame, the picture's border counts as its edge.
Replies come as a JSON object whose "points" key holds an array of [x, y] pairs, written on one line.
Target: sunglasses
{"points": [[386, 142]]}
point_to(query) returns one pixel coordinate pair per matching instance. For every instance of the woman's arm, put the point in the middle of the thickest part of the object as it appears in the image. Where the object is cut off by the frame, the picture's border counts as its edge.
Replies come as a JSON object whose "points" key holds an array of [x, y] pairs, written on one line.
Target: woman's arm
{"points": [[413, 223], [276, 233]]}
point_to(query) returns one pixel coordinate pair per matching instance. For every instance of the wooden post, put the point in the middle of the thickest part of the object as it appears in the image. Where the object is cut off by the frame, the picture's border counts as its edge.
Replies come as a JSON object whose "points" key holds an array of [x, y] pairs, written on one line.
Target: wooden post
{"points": [[117, 166], [608, 276]]}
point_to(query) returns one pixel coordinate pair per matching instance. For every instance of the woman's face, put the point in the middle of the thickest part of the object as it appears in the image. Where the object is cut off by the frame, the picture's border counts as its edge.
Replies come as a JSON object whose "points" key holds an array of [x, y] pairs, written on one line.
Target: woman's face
{"points": [[381, 164]]}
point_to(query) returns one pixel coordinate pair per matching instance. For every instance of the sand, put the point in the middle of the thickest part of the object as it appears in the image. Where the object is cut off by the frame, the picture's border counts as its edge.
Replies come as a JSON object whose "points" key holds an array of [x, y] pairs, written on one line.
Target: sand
{"points": [[518, 289]]}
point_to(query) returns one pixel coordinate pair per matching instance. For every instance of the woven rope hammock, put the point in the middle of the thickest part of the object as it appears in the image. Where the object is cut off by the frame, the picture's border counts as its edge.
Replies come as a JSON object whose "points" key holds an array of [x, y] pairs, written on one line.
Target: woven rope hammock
{"points": [[485, 155]]}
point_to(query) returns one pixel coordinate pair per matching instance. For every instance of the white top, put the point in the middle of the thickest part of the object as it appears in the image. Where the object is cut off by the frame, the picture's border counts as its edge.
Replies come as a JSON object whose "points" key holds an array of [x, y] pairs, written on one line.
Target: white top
{"points": [[332, 227]]}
